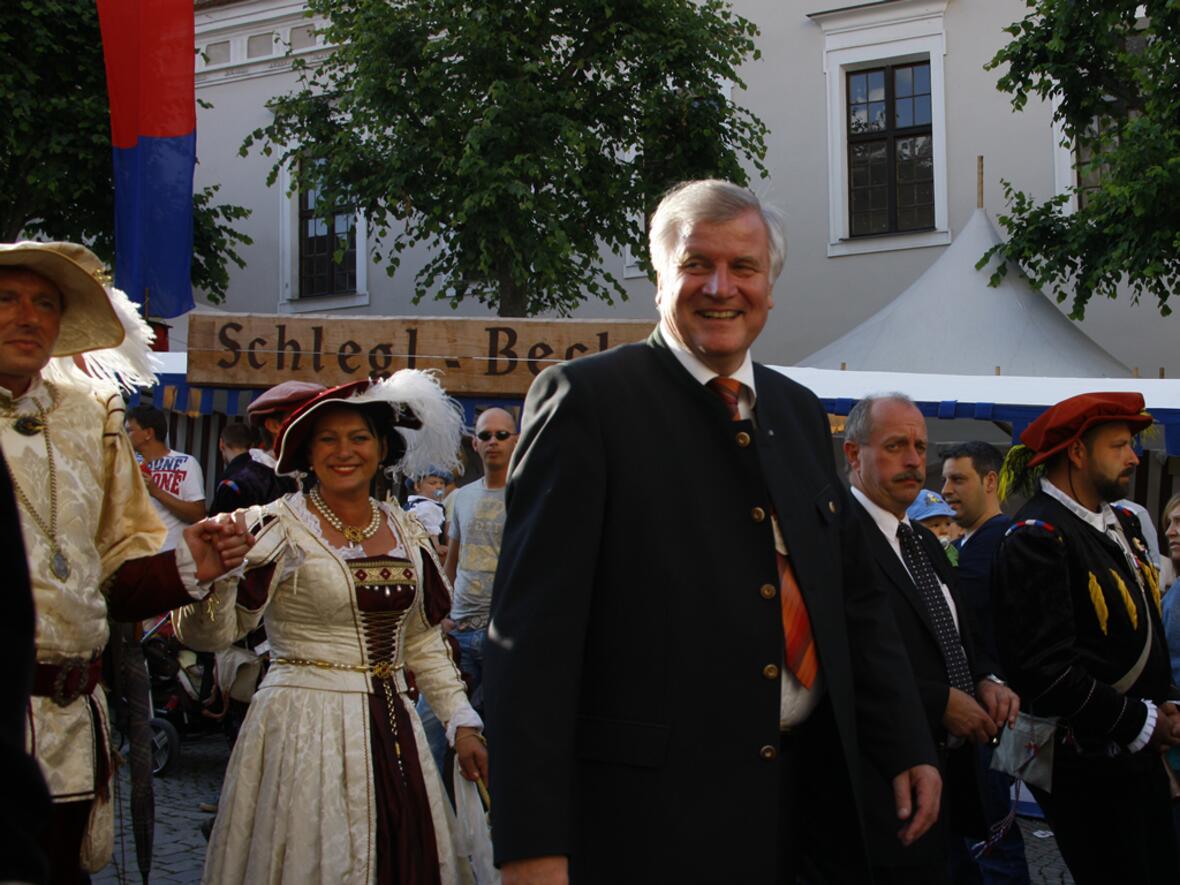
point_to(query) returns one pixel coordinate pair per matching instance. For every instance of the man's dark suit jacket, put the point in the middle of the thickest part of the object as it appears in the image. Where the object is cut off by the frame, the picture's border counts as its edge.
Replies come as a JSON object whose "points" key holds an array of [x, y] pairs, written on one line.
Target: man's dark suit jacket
{"points": [[962, 808], [974, 577], [632, 715], [26, 808]]}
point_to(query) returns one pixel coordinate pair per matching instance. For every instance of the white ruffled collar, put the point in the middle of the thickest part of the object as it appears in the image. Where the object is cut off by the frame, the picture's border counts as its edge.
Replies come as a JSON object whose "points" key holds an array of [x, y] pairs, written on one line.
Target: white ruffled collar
{"points": [[298, 504]]}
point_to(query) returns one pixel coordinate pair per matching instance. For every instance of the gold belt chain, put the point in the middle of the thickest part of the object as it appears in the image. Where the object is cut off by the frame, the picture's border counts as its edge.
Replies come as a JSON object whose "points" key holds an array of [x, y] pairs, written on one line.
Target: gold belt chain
{"points": [[382, 670]]}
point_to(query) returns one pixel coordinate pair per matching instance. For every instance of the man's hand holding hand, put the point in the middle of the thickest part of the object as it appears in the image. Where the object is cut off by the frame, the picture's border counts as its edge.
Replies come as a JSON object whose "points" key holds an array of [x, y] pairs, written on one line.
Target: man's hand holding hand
{"points": [[964, 718], [918, 794], [218, 544], [536, 871]]}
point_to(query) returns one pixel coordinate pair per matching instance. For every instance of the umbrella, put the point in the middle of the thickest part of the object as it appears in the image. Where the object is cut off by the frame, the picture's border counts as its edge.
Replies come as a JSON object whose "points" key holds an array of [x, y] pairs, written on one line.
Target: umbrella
{"points": [[137, 693]]}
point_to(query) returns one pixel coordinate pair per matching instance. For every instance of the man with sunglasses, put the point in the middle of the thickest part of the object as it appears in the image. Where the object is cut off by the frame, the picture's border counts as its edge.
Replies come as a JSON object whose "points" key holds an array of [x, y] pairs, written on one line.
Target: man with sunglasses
{"points": [[475, 526]]}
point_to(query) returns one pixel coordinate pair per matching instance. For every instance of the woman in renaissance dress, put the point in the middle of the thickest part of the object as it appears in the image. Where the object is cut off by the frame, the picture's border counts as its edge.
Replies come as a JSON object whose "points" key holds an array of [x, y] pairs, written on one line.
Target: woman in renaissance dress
{"points": [[331, 779]]}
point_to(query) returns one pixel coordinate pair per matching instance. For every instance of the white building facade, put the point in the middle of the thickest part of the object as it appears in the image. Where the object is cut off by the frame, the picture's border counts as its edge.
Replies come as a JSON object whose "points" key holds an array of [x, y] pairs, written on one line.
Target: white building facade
{"points": [[876, 114]]}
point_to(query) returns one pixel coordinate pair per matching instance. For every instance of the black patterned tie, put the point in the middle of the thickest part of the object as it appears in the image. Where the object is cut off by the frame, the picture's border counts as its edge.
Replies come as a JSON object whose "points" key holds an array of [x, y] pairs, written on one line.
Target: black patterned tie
{"points": [[930, 590]]}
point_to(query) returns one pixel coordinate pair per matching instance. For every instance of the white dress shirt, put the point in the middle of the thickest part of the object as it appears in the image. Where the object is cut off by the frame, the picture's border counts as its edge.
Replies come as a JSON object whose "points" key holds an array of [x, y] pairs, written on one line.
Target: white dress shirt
{"points": [[888, 524], [795, 701]]}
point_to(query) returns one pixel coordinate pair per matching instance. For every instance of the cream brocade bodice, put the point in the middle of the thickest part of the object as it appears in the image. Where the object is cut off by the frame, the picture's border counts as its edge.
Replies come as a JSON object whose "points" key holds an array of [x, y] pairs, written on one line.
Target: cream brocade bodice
{"points": [[104, 513], [319, 633]]}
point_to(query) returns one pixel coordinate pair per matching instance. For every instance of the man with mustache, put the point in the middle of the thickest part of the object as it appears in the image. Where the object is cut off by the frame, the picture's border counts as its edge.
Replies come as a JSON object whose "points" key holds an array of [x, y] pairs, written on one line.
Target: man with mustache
{"points": [[1078, 625], [964, 702]]}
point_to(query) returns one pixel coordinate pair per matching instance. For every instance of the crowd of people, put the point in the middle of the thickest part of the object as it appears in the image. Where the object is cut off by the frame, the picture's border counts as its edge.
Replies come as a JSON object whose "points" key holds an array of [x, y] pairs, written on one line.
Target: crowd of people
{"points": [[701, 648]]}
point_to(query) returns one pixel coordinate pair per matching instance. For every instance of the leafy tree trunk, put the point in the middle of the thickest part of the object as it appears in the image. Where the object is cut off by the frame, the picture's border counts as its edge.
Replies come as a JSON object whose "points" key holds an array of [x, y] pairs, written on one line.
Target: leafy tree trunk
{"points": [[539, 132], [514, 299]]}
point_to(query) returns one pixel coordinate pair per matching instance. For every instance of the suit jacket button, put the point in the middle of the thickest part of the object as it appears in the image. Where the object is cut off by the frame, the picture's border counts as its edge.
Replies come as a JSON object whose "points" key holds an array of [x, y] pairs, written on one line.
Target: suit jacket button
{"points": [[758, 514], [743, 439], [770, 671], [768, 591], [768, 753], [832, 506]]}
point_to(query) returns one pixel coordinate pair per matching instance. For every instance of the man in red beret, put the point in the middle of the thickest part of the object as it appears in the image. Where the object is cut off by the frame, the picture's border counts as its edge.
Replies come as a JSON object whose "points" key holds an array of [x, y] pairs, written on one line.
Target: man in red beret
{"points": [[267, 414], [1078, 627]]}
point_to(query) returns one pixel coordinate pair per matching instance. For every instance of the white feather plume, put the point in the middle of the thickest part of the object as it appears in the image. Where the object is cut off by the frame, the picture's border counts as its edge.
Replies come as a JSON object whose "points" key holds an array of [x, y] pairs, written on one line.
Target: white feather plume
{"points": [[436, 443], [132, 365]]}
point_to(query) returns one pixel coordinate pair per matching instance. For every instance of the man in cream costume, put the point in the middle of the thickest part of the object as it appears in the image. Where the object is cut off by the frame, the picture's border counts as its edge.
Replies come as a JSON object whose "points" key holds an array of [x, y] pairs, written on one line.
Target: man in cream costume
{"points": [[91, 535]]}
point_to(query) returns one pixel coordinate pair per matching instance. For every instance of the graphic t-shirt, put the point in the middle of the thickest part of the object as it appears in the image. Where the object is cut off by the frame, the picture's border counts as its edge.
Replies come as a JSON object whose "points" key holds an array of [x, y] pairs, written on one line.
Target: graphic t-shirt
{"points": [[477, 525], [180, 475]]}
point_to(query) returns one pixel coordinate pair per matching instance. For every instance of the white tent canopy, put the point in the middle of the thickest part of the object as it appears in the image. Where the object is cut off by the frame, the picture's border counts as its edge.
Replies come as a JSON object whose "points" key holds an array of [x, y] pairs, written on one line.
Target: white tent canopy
{"points": [[1011, 399], [830, 384], [950, 319]]}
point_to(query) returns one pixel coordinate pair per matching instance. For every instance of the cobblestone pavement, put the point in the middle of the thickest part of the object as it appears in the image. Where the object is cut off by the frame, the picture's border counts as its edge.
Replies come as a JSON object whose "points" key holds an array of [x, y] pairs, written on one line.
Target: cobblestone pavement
{"points": [[196, 777], [1044, 860], [179, 847]]}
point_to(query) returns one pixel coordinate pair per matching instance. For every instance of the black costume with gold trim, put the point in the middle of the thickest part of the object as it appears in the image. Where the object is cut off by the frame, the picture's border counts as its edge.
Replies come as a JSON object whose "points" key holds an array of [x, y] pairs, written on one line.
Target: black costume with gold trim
{"points": [[1073, 616]]}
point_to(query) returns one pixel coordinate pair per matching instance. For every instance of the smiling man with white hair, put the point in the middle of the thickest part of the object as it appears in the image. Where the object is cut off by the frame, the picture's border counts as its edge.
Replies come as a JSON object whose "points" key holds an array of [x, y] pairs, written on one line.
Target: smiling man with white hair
{"points": [[679, 692]]}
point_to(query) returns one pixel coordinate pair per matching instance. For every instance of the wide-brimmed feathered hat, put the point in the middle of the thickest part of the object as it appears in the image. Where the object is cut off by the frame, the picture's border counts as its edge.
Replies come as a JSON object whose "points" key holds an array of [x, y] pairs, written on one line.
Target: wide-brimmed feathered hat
{"points": [[424, 425], [102, 339], [88, 320]]}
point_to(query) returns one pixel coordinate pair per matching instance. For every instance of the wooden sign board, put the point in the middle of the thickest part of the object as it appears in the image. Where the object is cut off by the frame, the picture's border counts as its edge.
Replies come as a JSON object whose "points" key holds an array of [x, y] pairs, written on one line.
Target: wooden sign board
{"points": [[475, 356]]}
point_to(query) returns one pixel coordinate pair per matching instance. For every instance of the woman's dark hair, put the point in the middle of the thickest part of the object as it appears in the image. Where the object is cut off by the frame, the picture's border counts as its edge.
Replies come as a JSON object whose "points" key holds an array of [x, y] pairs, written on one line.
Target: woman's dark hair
{"points": [[376, 417]]}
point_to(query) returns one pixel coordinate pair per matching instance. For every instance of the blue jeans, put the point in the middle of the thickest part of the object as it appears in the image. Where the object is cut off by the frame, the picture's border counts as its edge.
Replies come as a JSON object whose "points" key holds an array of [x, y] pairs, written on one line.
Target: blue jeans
{"points": [[471, 663], [436, 735], [471, 644]]}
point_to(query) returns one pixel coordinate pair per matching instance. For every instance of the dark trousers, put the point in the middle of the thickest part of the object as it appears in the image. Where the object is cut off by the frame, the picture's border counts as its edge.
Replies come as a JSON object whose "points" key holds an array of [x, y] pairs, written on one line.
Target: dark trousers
{"points": [[62, 842], [822, 840], [1112, 819], [1004, 863]]}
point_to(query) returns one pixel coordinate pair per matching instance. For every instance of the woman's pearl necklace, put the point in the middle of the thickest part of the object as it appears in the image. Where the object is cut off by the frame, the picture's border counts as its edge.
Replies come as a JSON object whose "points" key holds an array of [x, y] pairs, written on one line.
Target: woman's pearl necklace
{"points": [[352, 534]]}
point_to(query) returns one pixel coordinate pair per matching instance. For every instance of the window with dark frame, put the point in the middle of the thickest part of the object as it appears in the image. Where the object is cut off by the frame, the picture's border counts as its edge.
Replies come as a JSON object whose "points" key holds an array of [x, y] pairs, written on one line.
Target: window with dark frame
{"points": [[890, 150], [319, 274]]}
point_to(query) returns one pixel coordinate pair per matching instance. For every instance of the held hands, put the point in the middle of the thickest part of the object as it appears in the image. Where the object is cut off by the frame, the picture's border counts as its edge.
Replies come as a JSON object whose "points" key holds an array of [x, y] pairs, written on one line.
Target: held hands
{"points": [[1001, 703], [965, 718], [1167, 728], [471, 753], [218, 544], [922, 784]]}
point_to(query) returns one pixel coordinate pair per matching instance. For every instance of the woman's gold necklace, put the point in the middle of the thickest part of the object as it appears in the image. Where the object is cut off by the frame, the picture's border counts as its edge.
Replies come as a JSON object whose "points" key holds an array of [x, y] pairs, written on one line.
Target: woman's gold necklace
{"points": [[352, 534], [27, 425]]}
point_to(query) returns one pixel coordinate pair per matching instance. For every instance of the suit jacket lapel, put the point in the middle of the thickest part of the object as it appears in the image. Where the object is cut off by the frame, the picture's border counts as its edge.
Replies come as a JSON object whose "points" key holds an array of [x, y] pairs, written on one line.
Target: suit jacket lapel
{"points": [[680, 376], [893, 568]]}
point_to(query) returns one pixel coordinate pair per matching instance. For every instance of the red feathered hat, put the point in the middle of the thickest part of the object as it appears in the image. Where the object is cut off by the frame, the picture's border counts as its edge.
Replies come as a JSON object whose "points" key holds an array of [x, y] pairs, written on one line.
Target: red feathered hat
{"points": [[1060, 425], [423, 423]]}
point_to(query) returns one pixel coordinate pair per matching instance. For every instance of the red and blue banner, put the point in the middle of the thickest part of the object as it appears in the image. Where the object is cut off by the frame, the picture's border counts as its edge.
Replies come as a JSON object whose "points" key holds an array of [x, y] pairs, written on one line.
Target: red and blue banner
{"points": [[149, 50]]}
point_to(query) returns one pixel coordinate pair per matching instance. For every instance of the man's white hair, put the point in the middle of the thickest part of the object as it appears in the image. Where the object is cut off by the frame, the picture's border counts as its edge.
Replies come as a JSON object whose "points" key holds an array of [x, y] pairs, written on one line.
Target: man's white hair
{"points": [[714, 201]]}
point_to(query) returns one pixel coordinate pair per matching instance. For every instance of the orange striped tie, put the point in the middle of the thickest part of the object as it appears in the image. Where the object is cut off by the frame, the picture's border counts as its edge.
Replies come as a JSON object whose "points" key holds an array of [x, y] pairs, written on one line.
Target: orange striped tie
{"points": [[801, 656]]}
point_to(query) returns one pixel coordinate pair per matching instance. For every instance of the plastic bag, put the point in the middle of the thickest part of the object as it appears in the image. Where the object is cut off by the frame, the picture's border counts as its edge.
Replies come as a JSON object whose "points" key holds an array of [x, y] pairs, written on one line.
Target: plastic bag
{"points": [[475, 832], [1026, 751]]}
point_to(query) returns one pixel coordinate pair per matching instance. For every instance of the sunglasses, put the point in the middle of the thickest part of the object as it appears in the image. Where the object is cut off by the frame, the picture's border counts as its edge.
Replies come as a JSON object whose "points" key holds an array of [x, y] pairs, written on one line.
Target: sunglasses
{"points": [[501, 435]]}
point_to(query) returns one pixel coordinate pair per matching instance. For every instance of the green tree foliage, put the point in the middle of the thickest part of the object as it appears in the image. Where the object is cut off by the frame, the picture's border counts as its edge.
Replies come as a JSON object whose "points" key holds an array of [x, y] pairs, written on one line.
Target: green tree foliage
{"points": [[1116, 78], [56, 175], [514, 137]]}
